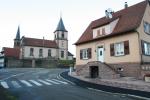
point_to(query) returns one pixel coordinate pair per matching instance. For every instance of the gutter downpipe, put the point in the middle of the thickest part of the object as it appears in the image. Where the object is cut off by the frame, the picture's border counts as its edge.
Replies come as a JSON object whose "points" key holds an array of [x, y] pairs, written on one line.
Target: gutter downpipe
{"points": [[140, 50]]}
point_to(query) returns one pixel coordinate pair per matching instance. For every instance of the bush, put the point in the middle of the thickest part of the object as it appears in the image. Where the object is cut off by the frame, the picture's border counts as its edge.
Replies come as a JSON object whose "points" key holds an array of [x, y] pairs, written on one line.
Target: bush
{"points": [[66, 63]]}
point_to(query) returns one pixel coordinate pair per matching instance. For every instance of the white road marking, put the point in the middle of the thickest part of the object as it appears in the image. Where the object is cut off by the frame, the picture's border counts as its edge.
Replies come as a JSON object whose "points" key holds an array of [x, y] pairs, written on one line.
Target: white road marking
{"points": [[4, 84], [15, 84], [15, 75], [60, 81], [52, 81], [44, 82], [35, 82], [26, 83]]}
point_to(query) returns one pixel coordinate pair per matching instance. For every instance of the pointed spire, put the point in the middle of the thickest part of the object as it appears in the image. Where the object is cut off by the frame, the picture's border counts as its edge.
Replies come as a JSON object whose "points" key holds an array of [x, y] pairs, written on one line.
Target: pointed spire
{"points": [[60, 26], [18, 34]]}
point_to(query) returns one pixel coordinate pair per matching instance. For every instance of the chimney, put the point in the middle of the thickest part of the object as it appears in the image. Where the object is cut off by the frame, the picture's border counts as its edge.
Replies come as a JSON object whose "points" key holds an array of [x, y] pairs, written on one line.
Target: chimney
{"points": [[126, 5]]}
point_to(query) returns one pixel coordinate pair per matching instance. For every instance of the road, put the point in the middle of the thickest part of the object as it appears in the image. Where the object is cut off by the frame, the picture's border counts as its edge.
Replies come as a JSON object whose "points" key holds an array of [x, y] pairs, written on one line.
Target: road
{"points": [[45, 84]]}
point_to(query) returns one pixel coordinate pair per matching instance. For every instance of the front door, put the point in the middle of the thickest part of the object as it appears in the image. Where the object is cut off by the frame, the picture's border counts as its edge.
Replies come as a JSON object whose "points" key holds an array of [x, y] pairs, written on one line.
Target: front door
{"points": [[100, 52]]}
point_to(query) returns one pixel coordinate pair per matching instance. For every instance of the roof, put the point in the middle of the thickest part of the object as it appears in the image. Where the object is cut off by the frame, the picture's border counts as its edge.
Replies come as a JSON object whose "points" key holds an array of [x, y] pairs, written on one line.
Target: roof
{"points": [[70, 54], [18, 34], [60, 26], [39, 42], [129, 19], [11, 52]]}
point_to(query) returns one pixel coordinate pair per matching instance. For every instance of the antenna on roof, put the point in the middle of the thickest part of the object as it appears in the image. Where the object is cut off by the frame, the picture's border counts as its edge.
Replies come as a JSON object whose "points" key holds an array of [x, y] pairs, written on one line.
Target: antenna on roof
{"points": [[109, 13]]}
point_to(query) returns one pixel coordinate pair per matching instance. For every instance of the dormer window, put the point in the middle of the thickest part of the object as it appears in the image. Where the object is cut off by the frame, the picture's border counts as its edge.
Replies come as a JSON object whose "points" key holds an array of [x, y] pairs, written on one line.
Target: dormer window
{"points": [[98, 33], [103, 31]]}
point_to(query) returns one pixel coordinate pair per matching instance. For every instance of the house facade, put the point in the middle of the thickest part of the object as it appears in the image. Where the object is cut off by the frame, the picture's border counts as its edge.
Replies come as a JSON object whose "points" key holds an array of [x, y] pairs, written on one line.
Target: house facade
{"points": [[32, 50], [117, 44]]}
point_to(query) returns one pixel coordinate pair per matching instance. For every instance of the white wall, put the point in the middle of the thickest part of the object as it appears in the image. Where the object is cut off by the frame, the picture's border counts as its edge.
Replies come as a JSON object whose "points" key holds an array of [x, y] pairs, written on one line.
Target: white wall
{"points": [[36, 52], [70, 57]]}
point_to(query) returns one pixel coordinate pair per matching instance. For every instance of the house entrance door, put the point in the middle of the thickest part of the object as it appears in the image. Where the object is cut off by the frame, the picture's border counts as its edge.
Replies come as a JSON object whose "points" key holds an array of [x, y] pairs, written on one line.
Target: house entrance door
{"points": [[100, 53]]}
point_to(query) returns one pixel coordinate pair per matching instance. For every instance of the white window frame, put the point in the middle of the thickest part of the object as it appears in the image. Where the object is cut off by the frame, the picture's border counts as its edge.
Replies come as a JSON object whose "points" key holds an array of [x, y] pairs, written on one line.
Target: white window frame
{"points": [[84, 53], [40, 52], [146, 27], [147, 48], [119, 49], [49, 52], [31, 51]]}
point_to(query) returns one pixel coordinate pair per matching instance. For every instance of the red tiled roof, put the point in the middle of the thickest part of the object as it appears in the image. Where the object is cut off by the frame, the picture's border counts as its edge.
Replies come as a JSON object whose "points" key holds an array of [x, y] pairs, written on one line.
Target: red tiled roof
{"points": [[129, 19], [39, 42], [11, 52]]}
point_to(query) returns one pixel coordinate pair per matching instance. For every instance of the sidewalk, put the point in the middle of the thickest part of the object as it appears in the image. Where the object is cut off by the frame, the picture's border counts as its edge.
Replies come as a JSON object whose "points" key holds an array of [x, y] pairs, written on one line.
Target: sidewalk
{"points": [[124, 82]]}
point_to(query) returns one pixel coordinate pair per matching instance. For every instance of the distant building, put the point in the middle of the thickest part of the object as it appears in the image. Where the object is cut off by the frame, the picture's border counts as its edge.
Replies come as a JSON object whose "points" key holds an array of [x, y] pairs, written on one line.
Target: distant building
{"points": [[117, 44], [33, 49]]}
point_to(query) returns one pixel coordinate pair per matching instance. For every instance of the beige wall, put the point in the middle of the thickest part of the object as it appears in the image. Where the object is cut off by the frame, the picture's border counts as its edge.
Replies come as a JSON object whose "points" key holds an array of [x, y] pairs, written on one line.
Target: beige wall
{"points": [[142, 34], [134, 55], [36, 52]]}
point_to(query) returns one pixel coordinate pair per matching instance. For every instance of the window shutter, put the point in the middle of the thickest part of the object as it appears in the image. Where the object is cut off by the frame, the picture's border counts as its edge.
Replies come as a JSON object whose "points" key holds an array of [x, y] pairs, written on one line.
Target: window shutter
{"points": [[126, 48], [81, 54], [142, 47], [112, 51], [89, 53]]}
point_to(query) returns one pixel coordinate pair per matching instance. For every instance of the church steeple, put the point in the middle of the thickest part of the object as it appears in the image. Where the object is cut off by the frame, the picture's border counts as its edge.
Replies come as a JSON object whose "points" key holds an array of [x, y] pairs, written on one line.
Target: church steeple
{"points": [[60, 26], [17, 39], [18, 34], [61, 38]]}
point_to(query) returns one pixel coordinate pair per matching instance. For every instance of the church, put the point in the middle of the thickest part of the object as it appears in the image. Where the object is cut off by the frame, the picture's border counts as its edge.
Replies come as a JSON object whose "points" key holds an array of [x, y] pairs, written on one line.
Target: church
{"points": [[32, 50]]}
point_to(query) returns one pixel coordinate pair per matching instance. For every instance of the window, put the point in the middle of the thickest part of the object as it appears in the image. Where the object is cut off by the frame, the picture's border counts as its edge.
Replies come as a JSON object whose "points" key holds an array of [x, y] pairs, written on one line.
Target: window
{"points": [[41, 53], [49, 53], [119, 49], [147, 48], [31, 51], [62, 35], [62, 54], [98, 33], [103, 31], [146, 27], [62, 43], [85, 53]]}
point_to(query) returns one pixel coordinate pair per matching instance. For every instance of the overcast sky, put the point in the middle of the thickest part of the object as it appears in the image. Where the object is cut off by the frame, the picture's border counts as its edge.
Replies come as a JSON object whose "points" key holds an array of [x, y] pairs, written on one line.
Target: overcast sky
{"points": [[39, 18]]}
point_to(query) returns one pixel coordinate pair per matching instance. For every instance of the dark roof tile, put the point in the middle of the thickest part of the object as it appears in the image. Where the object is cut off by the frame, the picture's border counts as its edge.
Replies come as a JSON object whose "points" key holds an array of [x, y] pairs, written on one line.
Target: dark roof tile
{"points": [[39, 42]]}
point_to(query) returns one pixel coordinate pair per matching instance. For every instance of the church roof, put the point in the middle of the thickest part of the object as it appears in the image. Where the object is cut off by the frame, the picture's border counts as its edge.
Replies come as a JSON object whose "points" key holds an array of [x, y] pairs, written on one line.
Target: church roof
{"points": [[38, 42], [18, 34], [60, 26]]}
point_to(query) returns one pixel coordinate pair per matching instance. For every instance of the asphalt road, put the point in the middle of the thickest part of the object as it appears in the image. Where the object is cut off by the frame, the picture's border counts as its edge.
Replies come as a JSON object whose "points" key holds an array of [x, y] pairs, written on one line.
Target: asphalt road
{"points": [[45, 84]]}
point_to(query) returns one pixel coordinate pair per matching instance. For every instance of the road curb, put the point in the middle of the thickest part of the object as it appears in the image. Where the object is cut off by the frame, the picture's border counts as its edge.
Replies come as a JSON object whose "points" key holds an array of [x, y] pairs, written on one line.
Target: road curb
{"points": [[133, 93]]}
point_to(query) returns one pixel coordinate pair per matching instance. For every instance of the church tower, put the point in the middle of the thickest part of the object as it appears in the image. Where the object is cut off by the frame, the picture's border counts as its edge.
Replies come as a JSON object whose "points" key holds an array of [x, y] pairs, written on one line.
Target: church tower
{"points": [[61, 38], [17, 39]]}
